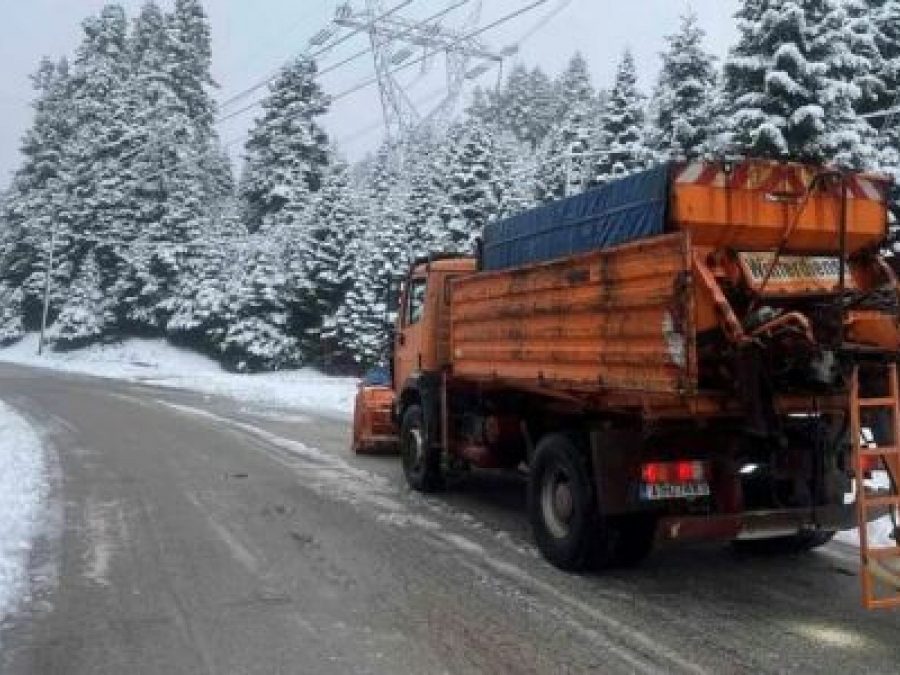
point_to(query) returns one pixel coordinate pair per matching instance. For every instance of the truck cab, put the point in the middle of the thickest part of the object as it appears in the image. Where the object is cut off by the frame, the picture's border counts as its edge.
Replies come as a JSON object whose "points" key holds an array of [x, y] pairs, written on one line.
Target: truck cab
{"points": [[420, 348], [422, 332]]}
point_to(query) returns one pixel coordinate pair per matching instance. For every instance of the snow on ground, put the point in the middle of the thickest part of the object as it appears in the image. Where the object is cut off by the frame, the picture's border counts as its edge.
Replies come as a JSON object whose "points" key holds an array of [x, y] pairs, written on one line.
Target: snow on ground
{"points": [[159, 363], [23, 488], [880, 531]]}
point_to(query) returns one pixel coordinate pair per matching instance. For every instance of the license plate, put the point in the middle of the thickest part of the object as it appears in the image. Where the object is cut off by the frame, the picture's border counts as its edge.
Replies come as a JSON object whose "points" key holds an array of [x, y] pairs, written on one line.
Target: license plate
{"points": [[656, 491]]}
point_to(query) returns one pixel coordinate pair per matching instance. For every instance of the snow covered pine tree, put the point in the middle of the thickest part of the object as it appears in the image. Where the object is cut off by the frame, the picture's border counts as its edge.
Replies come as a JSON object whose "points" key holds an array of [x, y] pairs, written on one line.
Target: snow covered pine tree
{"points": [[97, 158], [681, 108], [567, 155], [380, 258], [789, 96], [36, 202], [623, 131], [287, 156]]}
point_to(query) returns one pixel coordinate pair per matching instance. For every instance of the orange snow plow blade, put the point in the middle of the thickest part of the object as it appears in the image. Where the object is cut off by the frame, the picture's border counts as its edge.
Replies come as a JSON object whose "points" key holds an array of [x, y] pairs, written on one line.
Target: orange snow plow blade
{"points": [[373, 426]]}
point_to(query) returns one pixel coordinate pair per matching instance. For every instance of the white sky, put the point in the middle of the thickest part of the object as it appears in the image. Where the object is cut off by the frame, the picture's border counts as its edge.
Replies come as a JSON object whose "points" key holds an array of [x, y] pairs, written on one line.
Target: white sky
{"points": [[252, 37]]}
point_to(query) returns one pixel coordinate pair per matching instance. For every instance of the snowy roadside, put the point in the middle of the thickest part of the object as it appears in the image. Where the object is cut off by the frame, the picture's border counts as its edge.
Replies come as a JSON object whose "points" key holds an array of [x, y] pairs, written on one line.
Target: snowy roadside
{"points": [[880, 531], [23, 490], [159, 363]]}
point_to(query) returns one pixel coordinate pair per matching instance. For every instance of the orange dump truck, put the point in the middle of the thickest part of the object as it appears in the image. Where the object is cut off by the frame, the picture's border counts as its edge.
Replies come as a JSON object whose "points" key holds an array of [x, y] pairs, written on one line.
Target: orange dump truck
{"points": [[704, 350]]}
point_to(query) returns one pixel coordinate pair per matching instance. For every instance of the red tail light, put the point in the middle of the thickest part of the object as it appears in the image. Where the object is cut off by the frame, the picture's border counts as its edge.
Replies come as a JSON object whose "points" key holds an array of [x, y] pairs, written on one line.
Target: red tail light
{"points": [[684, 471], [652, 473]]}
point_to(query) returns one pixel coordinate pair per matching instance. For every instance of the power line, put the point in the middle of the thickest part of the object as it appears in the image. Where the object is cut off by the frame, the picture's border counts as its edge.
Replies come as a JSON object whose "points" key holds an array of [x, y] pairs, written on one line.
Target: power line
{"points": [[504, 19], [407, 33], [221, 119], [552, 14], [336, 66], [266, 44], [262, 83], [395, 40], [375, 126], [539, 25], [487, 66], [239, 112]]}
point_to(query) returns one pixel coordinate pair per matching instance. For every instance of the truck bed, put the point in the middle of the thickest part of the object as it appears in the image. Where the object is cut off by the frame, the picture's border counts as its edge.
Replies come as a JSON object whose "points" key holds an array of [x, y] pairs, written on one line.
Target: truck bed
{"points": [[612, 320]]}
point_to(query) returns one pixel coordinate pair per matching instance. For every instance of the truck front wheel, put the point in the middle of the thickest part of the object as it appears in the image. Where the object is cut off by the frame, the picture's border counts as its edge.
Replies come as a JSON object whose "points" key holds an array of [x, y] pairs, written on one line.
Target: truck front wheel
{"points": [[421, 461], [562, 505]]}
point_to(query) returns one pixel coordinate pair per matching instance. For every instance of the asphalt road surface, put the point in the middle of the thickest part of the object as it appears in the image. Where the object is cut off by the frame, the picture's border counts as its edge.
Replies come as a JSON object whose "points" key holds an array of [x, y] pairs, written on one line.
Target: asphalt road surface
{"points": [[189, 534]]}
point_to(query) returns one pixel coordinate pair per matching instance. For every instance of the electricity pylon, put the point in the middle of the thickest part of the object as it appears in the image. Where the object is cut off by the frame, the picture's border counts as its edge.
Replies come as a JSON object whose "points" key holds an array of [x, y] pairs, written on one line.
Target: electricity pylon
{"points": [[395, 40]]}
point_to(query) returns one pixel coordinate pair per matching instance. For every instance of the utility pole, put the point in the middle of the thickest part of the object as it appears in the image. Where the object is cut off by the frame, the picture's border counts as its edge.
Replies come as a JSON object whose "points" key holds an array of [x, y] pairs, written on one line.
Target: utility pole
{"points": [[47, 275]]}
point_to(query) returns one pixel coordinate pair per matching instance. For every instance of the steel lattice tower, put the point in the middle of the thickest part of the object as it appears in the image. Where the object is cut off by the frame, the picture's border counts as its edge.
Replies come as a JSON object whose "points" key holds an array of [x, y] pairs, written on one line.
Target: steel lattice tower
{"points": [[395, 40]]}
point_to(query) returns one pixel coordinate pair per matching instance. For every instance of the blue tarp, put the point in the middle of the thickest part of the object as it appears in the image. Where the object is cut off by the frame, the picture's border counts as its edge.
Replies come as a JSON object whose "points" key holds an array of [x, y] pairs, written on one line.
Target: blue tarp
{"points": [[625, 210]]}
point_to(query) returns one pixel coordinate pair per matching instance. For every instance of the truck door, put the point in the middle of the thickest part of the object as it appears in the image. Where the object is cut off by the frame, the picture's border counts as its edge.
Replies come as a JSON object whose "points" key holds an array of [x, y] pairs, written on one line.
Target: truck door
{"points": [[408, 346]]}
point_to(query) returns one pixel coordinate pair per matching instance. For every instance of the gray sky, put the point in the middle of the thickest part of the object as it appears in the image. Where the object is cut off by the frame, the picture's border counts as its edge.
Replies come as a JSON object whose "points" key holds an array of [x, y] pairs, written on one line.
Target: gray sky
{"points": [[252, 37]]}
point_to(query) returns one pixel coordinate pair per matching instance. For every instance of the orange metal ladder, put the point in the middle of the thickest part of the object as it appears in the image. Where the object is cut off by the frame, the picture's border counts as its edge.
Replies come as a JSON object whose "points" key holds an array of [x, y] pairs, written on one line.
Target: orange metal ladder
{"points": [[880, 568]]}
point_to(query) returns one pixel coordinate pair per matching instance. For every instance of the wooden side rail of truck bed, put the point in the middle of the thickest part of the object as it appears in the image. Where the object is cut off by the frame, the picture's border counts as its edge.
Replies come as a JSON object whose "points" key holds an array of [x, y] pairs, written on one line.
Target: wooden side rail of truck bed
{"points": [[617, 320]]}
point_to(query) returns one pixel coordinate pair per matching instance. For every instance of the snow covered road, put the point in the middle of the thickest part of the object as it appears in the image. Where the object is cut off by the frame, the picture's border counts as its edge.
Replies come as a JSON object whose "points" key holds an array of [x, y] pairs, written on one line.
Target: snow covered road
{"points": [[23, 489], [202, 535]]}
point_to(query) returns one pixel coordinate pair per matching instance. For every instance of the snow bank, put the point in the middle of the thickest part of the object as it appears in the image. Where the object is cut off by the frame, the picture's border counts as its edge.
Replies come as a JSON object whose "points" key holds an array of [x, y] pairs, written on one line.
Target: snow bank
{"points": [[23, 487], [159, 363], [880, 531]]}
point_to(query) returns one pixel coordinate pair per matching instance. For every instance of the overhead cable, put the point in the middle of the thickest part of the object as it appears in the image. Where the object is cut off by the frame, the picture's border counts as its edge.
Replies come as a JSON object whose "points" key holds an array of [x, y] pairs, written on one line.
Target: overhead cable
{"points": [[262, 83], [504, 19]]}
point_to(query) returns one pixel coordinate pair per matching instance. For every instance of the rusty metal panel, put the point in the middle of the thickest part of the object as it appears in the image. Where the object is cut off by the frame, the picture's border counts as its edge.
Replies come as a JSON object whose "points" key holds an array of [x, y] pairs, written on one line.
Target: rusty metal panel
{"points": [[617, 319], [749, 206]]}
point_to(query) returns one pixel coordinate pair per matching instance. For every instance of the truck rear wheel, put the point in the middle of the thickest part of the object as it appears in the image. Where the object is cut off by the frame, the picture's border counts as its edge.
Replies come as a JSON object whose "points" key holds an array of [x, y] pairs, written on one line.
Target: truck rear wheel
{"points": [[421, 461], [562, 505]]}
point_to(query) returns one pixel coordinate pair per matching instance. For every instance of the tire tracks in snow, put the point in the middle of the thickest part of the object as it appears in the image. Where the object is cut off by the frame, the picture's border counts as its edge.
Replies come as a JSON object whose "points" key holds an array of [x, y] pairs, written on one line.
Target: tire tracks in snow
{"points": [[375, 496]]}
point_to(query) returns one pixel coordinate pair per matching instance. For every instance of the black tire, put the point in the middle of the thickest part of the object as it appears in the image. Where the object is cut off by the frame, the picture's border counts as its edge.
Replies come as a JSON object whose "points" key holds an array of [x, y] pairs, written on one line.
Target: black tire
{"points": [[421, 461], [795, 543], [562, 505]]}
